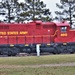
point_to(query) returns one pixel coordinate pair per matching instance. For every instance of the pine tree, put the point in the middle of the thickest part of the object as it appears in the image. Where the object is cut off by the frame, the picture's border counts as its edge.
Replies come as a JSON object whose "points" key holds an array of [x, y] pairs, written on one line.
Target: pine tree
{"points": [[13, 11], [35, 10], [67, 11], [8, 10]]}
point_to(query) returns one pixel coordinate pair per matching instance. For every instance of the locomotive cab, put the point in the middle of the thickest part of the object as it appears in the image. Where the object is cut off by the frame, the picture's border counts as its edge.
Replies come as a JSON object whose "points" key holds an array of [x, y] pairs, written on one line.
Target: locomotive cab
{"points": [[63, 32]]}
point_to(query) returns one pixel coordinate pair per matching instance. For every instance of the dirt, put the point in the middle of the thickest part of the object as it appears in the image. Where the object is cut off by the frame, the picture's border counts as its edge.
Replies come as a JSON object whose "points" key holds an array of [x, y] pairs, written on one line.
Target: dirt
{"points": [[36, 66]]}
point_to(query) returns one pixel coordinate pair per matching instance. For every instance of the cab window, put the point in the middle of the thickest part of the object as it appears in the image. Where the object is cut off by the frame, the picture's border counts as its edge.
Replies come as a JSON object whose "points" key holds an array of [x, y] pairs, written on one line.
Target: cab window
{"points": [[64, 29]]}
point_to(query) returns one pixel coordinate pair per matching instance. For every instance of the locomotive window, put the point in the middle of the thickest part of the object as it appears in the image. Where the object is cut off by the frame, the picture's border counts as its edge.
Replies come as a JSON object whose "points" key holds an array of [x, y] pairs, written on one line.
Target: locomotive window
{"points": [[63, 29]]}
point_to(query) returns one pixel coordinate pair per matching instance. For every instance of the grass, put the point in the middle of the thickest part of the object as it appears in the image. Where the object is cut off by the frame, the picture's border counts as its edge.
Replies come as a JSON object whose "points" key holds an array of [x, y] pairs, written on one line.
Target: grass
{"points": [[34, 60], [31, 60], [39, 71]]}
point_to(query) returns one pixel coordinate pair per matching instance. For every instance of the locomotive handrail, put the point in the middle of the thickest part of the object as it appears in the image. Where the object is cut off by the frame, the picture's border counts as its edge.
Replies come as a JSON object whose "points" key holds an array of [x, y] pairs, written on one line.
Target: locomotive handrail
{"points": [[54, 33]]}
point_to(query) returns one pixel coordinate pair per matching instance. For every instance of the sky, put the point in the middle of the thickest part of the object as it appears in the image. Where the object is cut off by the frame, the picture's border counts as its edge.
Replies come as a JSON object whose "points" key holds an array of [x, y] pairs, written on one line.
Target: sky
{"points": [[51, 4]]}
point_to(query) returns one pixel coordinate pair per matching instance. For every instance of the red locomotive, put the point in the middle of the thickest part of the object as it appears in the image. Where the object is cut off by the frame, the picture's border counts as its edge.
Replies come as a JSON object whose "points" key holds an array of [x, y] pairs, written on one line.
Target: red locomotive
{"points": [[52, 37]]}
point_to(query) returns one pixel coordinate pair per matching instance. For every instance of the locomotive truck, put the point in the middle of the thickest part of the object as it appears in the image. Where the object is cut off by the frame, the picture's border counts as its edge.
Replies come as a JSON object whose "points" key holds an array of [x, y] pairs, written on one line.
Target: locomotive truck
{"points": [[52, 37]]}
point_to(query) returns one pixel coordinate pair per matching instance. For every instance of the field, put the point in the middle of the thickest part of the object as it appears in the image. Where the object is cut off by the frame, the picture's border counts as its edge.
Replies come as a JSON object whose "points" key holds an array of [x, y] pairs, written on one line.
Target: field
{"points": [[43, 65]]}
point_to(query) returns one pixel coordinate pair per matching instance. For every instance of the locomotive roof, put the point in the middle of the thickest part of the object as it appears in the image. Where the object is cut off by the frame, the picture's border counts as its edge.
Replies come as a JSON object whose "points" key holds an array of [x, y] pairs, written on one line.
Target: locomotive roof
{"points": [[62, 24], [38, 22]]}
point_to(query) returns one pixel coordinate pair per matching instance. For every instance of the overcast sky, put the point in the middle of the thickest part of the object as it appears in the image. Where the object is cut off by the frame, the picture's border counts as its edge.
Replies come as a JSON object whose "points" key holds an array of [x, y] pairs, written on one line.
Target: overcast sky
{"points": [[51, 4]]}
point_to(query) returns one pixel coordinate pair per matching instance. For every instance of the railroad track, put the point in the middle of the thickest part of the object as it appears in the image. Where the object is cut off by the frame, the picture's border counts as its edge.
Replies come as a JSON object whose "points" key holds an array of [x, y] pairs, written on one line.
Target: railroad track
{"points": [[25, 54]]}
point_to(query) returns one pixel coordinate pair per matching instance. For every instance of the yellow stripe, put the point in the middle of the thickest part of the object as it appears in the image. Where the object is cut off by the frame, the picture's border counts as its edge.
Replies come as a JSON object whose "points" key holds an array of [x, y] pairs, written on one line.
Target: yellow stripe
{"points": [[26, 44], [48, 44], [39, 44], [11, 45], [64, 43]]}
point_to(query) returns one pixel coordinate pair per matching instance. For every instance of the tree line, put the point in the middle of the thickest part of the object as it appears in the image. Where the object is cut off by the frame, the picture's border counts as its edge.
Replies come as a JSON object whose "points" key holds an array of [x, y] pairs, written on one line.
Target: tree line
{"points": [[27, 10], [15, 11], [66, 12]]}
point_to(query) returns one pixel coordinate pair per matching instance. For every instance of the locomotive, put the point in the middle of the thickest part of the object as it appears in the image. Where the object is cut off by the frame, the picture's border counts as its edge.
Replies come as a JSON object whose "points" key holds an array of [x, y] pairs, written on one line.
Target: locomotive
{"points": [[52, 37]]}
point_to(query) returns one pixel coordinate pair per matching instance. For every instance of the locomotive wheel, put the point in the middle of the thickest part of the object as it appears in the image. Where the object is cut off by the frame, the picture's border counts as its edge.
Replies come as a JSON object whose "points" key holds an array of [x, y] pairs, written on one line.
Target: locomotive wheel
{"points": [[9, 53], [12, 51], [55, 51], [27, 50], [71, 51]]}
